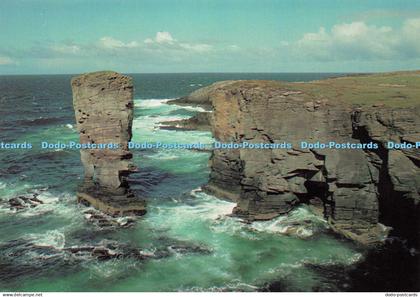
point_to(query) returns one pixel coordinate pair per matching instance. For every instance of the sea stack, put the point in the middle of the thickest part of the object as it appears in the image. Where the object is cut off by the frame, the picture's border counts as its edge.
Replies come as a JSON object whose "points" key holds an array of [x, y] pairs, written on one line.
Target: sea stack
{"points": [[103, 105]]}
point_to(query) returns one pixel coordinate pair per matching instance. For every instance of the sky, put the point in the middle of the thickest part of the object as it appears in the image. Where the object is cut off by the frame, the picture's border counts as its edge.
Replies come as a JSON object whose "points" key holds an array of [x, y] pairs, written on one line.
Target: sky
{"points": [[164, 36]]}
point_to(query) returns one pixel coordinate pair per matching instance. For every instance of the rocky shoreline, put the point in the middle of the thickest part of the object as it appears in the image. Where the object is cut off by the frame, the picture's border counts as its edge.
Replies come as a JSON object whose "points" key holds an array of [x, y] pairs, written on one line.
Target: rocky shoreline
{"points": [[200, 122], [362, 193]]}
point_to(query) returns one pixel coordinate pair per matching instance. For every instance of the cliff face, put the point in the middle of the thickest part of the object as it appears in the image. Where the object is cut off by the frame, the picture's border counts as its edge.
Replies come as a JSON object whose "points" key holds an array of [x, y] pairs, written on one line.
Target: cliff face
{"points": [[103, 105], [398, 171], [355, 189]]}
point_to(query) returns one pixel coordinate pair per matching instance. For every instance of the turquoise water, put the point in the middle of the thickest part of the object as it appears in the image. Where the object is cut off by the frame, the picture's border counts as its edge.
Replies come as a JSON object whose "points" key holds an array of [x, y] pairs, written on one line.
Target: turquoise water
{"points": [[232, 256]]}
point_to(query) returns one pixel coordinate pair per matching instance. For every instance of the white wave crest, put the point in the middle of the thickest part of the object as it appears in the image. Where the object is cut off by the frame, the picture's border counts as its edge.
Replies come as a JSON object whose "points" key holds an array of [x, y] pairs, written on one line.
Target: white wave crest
{"points": [[191, 108], [53, 238], [212, 206], [300, 222], [2, 185], [151, 103], [164, 155]]}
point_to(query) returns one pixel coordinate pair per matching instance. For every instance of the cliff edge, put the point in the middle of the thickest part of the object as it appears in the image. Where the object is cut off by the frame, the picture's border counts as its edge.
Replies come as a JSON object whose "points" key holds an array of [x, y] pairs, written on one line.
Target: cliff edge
{"points": [[359, 191]]}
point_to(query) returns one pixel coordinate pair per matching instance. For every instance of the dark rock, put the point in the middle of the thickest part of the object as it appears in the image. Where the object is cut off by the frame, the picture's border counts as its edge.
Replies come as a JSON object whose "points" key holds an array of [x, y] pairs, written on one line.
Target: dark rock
{"points": [[354, 185], [104, 221], [200, 121], [23, 202], [187, 249], [397, 171]]}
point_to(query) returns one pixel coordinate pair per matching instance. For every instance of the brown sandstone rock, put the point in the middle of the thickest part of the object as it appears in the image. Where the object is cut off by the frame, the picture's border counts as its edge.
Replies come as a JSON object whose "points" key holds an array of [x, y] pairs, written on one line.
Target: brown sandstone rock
{"points": [[353, 184], [103, 104]]}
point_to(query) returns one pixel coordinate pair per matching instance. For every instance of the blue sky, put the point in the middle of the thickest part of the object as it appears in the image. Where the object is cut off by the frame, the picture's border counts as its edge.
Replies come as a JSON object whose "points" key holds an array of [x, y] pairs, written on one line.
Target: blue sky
{"points": [[73, 36]]}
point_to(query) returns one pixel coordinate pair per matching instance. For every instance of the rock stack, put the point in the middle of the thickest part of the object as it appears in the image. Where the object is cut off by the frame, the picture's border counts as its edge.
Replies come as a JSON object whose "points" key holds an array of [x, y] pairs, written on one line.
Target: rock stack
{"points": [[103, 105]]}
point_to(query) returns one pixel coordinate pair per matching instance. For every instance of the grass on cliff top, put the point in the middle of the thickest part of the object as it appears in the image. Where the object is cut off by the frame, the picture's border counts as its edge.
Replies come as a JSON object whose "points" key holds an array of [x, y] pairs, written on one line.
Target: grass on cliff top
{"points": [[394, 89]]}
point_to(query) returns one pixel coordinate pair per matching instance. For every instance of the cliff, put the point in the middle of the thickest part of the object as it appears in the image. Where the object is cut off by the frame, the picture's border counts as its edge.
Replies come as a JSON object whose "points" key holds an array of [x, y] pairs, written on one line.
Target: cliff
{"points": [[355, 189], [103, 105]]}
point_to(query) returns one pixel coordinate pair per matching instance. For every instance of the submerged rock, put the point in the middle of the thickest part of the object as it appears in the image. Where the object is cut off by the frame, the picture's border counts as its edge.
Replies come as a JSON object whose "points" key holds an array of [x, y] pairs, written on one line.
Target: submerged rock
{"points": [[34, 256], [104, 221], [23, 202], [200, 122], [103, 104]]}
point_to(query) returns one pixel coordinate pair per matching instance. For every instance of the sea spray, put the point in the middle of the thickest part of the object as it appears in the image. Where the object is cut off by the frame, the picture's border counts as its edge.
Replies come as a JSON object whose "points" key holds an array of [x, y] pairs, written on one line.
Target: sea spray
{"points": [[243, 256], [300, 222], [52, 238]]}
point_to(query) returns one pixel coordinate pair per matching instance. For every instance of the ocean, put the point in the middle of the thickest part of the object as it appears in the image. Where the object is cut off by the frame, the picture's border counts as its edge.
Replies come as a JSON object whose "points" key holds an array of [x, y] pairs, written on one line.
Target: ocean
{"points": [[188, 241]]}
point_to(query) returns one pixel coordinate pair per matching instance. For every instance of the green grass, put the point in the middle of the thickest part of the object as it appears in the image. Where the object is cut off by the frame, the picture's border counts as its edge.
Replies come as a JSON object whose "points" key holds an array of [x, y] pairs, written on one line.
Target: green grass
{"points": [[393, 89]]}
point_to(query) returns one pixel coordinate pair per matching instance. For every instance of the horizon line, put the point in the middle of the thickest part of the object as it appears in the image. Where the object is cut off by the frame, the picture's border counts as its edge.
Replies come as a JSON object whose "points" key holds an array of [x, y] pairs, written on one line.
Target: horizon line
{"points": [[210, 72], [217, 72]]}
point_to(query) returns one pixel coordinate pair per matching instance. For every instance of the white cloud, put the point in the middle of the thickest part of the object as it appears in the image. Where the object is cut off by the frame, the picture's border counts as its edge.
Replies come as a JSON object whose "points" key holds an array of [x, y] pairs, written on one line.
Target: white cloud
{"points": [[164, 41], [162, 44], [164, 37], [112, 43], [198, 48], [7, 61], [411, 33], [359, 41], [233, 48], [324, 49], [65, 49]]}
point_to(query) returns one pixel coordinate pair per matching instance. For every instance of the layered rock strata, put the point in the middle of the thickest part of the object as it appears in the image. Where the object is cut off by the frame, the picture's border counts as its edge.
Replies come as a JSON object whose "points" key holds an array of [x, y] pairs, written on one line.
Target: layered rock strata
{"points": [[397, 171], [354, 188], [103, 105]]}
